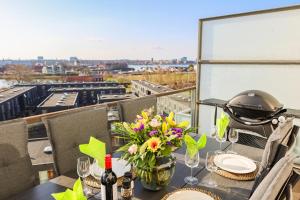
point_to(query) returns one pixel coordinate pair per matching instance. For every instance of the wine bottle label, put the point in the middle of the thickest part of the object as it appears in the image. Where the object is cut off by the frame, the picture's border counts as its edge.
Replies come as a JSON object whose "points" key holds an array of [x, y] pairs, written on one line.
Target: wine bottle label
{"points": [[115, 192], [103, 192]]}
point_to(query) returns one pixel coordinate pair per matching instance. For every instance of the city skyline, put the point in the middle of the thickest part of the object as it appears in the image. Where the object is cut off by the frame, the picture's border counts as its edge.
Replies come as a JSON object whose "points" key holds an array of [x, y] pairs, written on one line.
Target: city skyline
{"points": [[110, 30]]}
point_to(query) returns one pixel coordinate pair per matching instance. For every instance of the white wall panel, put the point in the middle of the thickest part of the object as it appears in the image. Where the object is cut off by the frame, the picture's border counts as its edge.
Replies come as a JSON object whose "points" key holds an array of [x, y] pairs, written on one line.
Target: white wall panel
{"points": [[260, 37], [269, 36]]}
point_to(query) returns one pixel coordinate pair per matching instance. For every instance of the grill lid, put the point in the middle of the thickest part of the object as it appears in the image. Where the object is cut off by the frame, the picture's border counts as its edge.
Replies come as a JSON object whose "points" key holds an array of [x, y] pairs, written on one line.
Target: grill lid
{"points": [[255, 100]]}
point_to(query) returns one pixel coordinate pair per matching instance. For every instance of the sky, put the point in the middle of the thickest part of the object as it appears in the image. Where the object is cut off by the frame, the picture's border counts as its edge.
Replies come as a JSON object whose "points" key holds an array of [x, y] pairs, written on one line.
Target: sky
{"points": [[111, 29]]}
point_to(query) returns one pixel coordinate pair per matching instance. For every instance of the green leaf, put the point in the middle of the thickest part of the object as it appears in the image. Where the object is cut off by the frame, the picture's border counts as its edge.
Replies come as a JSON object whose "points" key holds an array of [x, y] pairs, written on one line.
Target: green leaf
{"points": [[123, 148], [95, 149], [167, 151], [201, 143], [143, 147]]}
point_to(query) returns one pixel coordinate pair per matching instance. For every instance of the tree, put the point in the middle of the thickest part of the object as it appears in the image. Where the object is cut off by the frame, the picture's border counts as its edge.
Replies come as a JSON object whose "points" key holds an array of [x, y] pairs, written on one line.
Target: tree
{"points": [[20, 73]]}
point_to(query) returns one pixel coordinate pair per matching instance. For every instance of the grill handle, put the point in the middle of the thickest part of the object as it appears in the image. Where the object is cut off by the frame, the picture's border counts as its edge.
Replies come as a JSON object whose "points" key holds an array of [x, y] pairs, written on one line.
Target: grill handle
{"points": [[227, 110]]}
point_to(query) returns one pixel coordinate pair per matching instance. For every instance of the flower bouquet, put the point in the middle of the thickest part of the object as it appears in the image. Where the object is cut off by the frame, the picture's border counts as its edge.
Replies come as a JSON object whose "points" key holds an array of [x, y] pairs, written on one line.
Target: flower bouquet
{"points": [[151, 141]]}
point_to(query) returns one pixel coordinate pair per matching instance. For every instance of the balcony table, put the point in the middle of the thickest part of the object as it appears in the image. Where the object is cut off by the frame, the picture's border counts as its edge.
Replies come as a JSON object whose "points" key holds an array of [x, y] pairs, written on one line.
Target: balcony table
{"points": [[239, 189]]}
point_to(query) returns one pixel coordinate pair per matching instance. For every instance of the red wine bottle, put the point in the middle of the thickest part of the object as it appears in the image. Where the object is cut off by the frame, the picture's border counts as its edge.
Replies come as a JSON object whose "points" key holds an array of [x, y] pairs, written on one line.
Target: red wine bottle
{"points": [[109, 181]]}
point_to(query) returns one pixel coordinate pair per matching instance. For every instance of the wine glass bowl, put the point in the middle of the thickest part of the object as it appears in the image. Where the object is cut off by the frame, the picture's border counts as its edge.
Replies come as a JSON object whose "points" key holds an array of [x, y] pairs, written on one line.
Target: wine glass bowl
{"points": [[233, 137], [96, 172], [211, 167], [221, 140], [83, 170], [192, 162], [83, 166]]}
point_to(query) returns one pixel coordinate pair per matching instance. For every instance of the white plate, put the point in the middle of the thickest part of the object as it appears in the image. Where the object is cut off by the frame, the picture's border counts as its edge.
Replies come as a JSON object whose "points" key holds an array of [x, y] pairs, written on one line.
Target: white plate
{"points": [[189, 195], [235, 163], [118, 166]]}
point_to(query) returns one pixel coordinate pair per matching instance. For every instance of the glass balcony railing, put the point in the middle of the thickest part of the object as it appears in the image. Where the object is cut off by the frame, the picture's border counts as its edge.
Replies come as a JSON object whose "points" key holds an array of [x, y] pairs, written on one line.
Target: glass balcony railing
{"points": [[181, 102]]}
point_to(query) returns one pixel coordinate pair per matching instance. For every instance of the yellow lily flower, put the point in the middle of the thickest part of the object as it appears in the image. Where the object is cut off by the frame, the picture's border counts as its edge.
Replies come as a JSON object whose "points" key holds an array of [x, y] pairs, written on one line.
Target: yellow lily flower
{"points": [[183, 124], [145, 115], [170, 120], [158, 117], [164, 127]]}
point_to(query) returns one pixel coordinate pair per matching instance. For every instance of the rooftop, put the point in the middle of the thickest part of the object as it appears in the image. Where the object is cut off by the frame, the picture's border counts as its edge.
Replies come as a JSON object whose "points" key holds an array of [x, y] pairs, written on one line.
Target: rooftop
{"points": [[9, 93], [152, 86], [85, 88], [116, 97], [70, 83], [60, 99], [182, 98]]}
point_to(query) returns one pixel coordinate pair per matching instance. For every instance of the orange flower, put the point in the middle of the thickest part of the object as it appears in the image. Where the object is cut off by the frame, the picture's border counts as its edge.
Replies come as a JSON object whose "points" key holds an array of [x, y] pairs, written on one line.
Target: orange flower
{"points": [[153, 144]]}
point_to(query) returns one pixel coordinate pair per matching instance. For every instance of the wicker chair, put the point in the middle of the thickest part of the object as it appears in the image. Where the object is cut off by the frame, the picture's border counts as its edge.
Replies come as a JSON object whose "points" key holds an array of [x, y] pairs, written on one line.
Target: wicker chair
{"points": [[67, 131], [16, 172], [130, 108]]}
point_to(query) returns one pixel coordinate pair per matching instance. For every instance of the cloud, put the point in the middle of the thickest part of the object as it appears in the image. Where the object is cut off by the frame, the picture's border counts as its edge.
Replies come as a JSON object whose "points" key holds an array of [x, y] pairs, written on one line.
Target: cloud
{"points": [[95, 39], [158, 48]]}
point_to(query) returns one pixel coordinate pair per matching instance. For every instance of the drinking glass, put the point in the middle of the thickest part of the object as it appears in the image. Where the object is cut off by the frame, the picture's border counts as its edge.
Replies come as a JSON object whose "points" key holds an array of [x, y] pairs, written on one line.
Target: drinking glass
{"points": [[221, 140], [191, 162], [211, 167], [83, 171], [96, 172], [233, 137]]}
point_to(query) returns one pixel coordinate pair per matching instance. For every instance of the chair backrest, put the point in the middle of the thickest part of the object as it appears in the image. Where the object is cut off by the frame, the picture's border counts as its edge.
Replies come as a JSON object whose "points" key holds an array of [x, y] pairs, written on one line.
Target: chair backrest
{"points": [[280, 136], [16, 172], [130, 108], [69, 130], [272, 185]]}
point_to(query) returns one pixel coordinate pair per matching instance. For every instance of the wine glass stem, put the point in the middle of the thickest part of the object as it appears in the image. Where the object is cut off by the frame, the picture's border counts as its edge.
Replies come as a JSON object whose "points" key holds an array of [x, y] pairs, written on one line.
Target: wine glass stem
{"points": [[85, 189], [191, 172], [220, 146], [232, 146], [210, 177]]}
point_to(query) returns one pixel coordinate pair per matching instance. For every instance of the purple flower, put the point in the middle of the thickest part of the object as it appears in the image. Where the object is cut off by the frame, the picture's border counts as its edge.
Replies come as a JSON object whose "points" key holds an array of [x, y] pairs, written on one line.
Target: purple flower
{"points": [[152, 133], [169, 143], [179, 135], [139, 127], [177, 130], [163, 116]]}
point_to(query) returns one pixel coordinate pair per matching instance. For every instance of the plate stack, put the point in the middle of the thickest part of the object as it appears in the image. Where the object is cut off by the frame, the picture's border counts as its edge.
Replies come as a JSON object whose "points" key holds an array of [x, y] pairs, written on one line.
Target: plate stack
{"points": [[191, 194], [235, 167]]}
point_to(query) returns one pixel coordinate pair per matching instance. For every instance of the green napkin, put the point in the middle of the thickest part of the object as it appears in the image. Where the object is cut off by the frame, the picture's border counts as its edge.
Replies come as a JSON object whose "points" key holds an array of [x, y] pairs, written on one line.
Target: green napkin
{"points": [[95, 149], [222, 124], [76, 194], [194, 146]]}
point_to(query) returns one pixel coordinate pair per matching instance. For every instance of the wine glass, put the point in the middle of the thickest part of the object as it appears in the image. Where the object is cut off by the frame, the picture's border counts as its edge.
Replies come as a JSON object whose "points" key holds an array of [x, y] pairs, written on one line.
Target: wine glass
{"points": [[221, 140], [233, 137], [211, 167], [96, 172], [191, 161], [83, 171]]}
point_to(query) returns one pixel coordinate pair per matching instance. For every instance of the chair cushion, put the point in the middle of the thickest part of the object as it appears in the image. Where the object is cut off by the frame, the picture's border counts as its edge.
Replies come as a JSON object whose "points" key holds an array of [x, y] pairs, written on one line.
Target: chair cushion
{"points": [[273, 183], [16, 172], [133, 107], [68, 131], [279, 136]]}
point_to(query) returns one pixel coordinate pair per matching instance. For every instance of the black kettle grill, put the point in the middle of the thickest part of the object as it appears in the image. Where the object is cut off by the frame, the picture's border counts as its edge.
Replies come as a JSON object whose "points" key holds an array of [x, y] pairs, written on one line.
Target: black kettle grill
{"points": [[253, 108]]}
